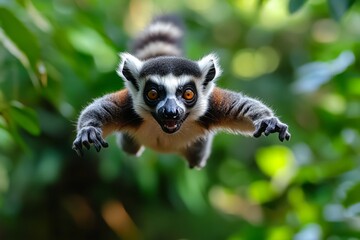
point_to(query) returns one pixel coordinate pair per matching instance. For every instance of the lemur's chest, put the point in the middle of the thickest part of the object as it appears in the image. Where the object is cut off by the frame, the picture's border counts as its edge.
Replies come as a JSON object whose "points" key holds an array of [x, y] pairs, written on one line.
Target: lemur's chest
{"points": [[151, 135]]}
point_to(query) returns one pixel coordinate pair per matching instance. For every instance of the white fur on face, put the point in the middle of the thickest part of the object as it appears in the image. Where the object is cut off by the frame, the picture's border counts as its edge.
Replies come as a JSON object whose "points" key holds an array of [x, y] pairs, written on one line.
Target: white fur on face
{"points": [[171, 84], [134, 65], [205, 64]]}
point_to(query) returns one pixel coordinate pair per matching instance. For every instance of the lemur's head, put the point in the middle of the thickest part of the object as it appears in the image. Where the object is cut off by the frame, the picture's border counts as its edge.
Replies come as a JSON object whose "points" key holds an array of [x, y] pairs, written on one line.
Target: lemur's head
{"points": [[170, 89]]}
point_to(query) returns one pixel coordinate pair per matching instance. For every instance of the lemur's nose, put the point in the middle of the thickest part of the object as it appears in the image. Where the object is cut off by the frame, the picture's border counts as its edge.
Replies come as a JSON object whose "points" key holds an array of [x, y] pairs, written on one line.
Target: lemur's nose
{"points": [[171, 110]]}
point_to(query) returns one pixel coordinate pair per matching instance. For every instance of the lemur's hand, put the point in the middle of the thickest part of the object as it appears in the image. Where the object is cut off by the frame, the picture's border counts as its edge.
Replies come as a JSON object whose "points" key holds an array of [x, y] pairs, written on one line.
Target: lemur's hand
{"points": [[272, 125], [87, 136]]}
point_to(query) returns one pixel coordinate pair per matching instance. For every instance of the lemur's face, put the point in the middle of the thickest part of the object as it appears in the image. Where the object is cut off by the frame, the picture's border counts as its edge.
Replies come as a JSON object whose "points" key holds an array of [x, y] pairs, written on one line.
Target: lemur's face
{"points": [[170, 100], [171, 90]]}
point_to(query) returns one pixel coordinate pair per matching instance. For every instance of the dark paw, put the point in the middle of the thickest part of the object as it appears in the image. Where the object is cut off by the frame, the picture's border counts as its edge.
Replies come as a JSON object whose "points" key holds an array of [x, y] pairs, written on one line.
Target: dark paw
{"points": [[272, 125], [87, 136]]}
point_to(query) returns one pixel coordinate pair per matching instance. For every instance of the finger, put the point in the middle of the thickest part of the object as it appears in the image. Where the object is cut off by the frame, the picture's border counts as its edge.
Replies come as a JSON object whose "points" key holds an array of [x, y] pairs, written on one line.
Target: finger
{"points": [[260, 130], [79, 152], [270, 129], [78, 148], [282, 132], [85, 139], [102, 141], [96, 143], [288, 136]]}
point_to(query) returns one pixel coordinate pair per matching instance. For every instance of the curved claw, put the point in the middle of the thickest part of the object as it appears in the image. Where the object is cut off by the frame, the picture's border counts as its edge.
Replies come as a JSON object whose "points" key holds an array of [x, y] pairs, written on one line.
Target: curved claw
{"points": [[87, 136]]}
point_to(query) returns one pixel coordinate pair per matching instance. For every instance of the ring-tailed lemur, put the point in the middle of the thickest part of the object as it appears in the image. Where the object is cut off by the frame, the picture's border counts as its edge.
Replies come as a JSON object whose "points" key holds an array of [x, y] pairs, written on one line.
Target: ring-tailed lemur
{"points": [[170, 103]]}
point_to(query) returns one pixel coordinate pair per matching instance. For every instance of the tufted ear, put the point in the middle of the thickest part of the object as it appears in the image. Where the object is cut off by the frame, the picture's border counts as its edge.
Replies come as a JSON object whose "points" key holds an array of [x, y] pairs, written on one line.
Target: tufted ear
{"points": [[129, 69], [210, 69]]}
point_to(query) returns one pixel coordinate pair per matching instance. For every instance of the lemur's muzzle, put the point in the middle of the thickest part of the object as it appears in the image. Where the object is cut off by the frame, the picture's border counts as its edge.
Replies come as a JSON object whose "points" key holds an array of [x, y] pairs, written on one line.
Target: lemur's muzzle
{"points": [[170, 116]]}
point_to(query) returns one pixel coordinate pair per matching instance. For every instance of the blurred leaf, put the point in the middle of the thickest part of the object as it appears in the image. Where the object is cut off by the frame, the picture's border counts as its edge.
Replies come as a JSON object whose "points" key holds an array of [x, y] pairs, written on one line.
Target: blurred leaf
{"points": [[20, 35], [311, 76], [261, 192], [25, 117], [16, 136], [352, 195], [191, 185], [339, 7], [281, 232], [21, 43], [48, 169], [295, 5], [22, 2]]}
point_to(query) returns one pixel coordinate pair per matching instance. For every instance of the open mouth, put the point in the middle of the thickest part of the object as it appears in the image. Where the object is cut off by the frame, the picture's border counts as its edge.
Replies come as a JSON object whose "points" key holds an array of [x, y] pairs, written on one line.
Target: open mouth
{"points": [[170, 125]]}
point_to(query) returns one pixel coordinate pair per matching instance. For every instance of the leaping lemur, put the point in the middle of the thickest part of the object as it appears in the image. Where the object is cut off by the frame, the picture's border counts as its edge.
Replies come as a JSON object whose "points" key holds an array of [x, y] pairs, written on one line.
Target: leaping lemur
{"points": [[171, 103]]}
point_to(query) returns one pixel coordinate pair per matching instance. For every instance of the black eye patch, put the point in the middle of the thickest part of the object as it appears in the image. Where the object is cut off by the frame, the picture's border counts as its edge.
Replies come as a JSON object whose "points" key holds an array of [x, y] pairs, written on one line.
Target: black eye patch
{"points": [[149, 90], [183, 92]]}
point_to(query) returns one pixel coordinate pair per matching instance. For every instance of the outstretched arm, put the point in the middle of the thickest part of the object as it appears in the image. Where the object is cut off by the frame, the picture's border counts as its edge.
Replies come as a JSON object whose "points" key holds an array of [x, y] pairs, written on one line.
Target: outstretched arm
{"points": [[238, 113], [103, 116]]}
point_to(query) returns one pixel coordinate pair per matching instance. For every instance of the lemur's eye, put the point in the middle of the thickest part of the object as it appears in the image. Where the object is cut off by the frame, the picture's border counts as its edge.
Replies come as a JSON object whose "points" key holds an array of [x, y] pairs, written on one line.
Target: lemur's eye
{"points": [[152, 94], [188, 94]]}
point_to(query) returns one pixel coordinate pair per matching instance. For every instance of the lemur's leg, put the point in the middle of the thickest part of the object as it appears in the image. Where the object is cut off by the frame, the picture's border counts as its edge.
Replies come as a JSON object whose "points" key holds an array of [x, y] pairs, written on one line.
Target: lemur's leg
{"points": [[198, 152], [129, 144]]}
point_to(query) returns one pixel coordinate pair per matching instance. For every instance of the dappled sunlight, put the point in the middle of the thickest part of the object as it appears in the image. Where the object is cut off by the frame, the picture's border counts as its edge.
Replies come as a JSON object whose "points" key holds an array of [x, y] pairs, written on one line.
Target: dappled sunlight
{"points": [[282, 232], [279, 163], [333, 103], [251, 63], [139, 14], [274, 14]]}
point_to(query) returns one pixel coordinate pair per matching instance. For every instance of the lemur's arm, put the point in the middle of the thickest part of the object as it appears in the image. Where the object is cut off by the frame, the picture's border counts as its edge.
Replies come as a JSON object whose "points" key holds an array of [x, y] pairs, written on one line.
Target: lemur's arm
{"points": [[235, 112], [103, 116]]}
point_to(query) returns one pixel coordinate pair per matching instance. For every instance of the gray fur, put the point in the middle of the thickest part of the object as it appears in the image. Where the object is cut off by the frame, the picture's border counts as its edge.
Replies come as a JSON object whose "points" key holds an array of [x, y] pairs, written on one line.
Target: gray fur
{"points": [[100, 112], [198, 152], [128, 143]]}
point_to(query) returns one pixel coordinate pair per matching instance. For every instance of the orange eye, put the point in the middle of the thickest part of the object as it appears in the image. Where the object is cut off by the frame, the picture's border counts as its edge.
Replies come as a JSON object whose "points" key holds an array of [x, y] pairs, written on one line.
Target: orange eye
{"points": [[152, 94], [188, 94]]}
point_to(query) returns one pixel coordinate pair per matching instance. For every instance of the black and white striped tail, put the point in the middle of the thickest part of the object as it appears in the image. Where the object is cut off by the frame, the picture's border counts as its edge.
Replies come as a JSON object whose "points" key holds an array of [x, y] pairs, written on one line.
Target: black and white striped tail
{"points": [[163, 37]]}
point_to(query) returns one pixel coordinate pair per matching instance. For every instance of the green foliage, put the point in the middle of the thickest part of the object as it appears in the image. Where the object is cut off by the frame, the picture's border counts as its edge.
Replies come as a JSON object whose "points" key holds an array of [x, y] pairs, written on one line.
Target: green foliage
{"points": [[339, 8], [295, 5], [300, 57]]}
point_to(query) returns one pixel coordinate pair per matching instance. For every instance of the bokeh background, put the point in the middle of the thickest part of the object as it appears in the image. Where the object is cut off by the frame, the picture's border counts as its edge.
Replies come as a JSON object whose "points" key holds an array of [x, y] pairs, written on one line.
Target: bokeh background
{"points": [[298, 56]]}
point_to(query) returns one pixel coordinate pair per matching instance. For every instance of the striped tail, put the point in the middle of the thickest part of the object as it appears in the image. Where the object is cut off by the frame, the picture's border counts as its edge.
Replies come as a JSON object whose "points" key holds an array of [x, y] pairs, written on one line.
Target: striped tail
{"points": [[163, 37]]}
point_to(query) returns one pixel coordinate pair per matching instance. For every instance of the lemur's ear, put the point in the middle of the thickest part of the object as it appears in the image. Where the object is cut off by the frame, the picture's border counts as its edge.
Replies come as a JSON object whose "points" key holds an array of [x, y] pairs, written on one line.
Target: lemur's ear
{"points": [[129, 69], [210, 69]]}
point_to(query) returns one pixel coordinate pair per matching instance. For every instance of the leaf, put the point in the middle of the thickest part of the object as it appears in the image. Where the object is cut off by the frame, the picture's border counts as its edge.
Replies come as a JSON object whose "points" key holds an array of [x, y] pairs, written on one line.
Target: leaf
{"points": [[339, 7], [295, 5], [352, 195], [20, 35], [20, 42], [25, 117]]}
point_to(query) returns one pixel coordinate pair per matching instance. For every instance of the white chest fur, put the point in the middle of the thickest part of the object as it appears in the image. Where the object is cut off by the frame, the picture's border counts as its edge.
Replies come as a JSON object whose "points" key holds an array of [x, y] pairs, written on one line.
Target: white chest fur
{"points": [[151, 135]]}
